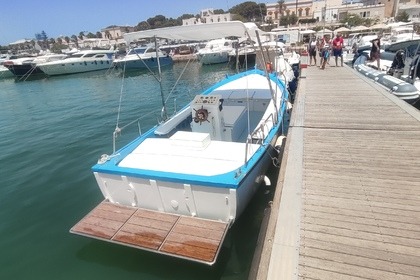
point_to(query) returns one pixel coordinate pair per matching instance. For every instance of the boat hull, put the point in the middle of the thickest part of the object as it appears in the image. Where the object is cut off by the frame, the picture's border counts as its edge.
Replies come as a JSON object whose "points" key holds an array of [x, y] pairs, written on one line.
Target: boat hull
{"points": [[187, 199], [150, 62], [64, 68], [5, 73], [401, 89], [24, 70], [213, 58]]}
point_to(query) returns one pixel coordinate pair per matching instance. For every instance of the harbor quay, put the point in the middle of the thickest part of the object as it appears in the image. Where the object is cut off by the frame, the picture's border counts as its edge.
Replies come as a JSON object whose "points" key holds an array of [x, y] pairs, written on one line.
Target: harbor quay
{"points": [[347, 200]]}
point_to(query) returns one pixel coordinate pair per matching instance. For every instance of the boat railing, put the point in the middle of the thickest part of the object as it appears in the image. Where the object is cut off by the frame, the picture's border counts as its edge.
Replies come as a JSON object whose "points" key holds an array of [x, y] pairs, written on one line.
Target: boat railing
{"points": [[118, 130], [259, 134]]}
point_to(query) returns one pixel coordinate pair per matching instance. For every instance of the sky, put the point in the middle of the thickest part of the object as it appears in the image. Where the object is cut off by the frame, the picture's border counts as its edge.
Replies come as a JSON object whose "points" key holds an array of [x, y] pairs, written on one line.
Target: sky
{"points": [[22, 19]]}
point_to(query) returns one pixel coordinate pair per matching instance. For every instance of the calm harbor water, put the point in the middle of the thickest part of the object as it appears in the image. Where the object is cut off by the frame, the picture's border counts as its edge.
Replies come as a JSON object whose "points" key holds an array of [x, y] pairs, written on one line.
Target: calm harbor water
{"points": [[52, 131]]}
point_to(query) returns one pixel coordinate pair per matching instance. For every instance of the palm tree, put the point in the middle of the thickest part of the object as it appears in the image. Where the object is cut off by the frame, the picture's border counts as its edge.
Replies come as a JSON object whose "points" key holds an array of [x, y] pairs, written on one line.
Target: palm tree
{"points": [[281, 6], [74, 39]]}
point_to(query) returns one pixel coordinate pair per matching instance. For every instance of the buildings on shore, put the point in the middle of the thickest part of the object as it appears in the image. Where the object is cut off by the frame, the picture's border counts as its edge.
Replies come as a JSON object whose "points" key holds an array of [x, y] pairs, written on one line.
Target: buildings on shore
{"points": [[332, 11], [326, 12]]}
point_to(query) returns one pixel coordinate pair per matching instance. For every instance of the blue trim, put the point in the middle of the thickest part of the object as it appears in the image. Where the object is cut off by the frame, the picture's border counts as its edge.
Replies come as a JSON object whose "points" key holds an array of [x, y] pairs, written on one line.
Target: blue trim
{"points": [[226, 180]]}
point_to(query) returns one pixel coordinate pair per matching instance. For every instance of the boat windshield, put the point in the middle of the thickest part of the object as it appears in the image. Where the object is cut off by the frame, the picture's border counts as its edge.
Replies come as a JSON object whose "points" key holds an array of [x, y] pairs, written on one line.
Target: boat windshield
{"points": [[76, 55], [137, 51]]}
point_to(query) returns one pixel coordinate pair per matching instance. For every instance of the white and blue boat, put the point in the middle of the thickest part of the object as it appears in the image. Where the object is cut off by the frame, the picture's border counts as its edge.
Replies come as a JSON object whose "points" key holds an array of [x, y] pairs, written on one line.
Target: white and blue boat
{"points": [[177, 188]]}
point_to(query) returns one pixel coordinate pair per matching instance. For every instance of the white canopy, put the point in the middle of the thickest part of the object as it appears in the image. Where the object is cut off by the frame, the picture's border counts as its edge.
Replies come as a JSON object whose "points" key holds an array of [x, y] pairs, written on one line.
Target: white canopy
{"points": [[379, 26], [359, 28], [309, 31], [341, 29], [198, 32], [324, 31]]}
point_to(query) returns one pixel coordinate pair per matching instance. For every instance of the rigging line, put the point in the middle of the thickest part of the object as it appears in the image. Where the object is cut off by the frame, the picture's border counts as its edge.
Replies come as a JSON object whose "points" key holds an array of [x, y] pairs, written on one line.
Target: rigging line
{"points": [[121, 95], [273, 95], [148, 68], [177, 81], [27, 74]]}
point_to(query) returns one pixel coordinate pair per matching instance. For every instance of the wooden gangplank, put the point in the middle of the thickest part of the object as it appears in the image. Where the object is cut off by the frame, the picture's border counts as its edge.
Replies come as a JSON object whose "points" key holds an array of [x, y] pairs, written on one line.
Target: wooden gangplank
{"points": [[190, 238]]}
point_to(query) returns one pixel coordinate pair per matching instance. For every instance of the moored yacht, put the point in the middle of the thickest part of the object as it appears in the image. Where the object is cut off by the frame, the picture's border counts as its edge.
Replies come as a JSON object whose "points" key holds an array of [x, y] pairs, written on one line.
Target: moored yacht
{"points": [[216, 51], [143, 57], [79, 62], [27, 66], [5, 73], [244, 53]]}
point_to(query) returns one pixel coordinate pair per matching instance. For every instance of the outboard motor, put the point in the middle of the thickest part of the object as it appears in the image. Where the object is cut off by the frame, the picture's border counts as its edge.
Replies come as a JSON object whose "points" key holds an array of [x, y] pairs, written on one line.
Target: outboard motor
{"points": [[397, 66]]}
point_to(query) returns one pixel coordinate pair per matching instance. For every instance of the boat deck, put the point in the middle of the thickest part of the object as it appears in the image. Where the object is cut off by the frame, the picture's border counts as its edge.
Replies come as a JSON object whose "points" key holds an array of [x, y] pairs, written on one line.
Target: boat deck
{"points": [[347, 204], [190, 238]]}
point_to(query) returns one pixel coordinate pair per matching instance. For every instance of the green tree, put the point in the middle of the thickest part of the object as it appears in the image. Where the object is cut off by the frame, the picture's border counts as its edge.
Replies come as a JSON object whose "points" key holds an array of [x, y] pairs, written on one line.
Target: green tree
{"points": [[144, 25], [186, 16], [293, 18], [352, 20], [402, 16], [98, 34], [157, 21], [281, 7], [91, 35], [74, 39], [249, 10]]}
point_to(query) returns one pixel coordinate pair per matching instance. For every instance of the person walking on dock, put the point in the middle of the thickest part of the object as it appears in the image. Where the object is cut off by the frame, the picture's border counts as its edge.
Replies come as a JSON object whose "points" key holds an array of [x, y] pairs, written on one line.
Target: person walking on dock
{"points": [[313, 45], [338, 43], [375, 51], [325, 50]]}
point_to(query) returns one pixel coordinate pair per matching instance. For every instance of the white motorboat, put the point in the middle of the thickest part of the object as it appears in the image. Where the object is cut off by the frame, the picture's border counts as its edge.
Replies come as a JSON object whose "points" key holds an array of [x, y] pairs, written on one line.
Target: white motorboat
{"points": [[399, 69], [143, 57], [28, 66], [79, 62], [244, 53], [5, 73], [402, 33], [177, 188], [396, 86], [216, 51]]}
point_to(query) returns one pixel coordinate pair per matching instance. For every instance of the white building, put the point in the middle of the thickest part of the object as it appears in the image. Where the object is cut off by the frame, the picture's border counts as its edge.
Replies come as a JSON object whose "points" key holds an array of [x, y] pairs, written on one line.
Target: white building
{"points": [[207, 16], [411, 7]]}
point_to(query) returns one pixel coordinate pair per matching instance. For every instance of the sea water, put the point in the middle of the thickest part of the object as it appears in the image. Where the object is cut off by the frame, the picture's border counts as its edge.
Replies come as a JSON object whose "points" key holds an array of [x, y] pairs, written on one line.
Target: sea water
{"points": [[52, 130]]}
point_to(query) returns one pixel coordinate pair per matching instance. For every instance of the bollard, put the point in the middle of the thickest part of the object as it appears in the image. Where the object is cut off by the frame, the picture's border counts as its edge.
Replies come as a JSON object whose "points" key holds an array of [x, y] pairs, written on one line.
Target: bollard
{"points": [[304, 60]]}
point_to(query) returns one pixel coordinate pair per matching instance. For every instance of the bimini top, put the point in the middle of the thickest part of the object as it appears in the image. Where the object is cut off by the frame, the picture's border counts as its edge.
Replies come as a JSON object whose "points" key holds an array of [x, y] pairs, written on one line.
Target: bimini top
{"points": [[198, 32]]}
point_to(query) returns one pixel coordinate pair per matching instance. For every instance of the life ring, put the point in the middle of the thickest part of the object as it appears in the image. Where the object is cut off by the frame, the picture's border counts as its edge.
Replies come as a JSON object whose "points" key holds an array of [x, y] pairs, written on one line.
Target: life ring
{"points": [[201, 115]]}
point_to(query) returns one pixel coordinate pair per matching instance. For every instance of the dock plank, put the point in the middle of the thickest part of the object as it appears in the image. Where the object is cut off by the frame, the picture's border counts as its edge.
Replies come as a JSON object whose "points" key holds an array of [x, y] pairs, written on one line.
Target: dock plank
{"points": [[358, 195]]}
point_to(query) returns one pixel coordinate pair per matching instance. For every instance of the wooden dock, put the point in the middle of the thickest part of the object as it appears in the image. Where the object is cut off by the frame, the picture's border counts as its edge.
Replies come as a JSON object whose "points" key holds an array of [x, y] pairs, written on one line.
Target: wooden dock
{"points": [[184, 237], [347, 203]]}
